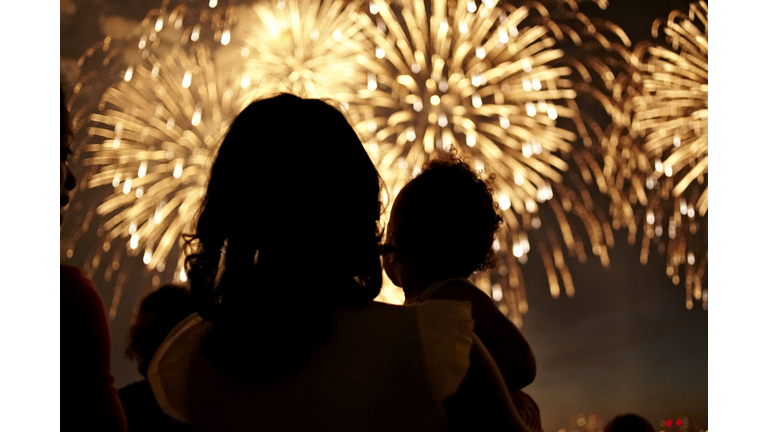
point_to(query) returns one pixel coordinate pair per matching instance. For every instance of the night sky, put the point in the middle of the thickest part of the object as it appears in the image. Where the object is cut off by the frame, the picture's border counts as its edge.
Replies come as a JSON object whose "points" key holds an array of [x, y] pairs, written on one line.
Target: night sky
{"points": [[624, 343]]}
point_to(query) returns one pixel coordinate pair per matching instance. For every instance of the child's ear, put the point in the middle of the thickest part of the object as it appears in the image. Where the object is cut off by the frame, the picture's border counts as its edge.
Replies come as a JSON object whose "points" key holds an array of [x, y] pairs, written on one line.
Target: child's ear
{"points": [[390, 263]]}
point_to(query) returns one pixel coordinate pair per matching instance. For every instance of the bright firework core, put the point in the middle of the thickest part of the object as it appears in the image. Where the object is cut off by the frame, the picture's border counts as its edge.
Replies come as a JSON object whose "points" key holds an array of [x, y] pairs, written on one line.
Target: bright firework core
{"points": [[462, 75], [304, 47]]}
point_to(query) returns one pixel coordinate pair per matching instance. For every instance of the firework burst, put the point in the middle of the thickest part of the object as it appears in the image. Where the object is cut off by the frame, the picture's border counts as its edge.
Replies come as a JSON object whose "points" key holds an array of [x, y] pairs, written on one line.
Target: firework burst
{"points": [[460, 81], [147, 121], [158, 130], [487, 79], [304, 47]]}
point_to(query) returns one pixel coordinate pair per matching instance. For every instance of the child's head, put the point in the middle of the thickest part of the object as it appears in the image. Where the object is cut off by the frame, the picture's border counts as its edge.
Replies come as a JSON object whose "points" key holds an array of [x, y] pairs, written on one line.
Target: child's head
{"points": [[443, 222]]}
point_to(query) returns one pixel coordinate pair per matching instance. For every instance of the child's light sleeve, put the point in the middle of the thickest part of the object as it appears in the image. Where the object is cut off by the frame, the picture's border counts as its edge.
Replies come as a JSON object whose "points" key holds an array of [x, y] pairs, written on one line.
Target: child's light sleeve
{"points": [[445, 328], [168, 371]]}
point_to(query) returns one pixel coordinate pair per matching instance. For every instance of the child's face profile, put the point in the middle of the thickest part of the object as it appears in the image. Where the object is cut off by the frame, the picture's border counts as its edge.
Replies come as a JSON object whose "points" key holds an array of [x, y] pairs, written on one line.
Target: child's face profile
{"points": [[68, 180], [391, 265]]}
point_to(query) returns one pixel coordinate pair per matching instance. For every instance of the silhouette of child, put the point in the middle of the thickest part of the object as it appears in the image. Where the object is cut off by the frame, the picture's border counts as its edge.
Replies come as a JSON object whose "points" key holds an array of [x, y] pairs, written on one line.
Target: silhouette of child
{"points": [[158, 314], [441, 230]]}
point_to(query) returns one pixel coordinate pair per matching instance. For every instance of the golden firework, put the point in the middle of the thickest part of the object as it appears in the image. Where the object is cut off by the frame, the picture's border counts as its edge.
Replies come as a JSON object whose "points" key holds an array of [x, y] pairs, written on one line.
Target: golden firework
{"points": [[673, 111], [158, 129], [147, 120], [489, 80], [304, 47], [628, 160]]}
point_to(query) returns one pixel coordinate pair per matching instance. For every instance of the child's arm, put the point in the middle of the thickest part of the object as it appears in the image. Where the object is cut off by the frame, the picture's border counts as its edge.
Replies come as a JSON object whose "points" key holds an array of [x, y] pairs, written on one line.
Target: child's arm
{"points": [[482, 402], [503, 339]]}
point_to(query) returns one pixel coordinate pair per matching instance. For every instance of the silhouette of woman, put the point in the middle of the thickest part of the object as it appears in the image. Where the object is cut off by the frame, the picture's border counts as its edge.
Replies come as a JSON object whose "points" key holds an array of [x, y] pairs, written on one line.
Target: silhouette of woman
{"points": [[283, 265]]}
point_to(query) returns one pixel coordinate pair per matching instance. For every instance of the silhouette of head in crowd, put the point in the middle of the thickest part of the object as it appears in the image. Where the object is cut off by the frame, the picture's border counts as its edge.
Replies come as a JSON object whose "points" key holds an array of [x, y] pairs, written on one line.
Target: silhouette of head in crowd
{"points": [[288, 230], [68, 180], [91, 402], [628, 423], [158, 314], [442, 224]]}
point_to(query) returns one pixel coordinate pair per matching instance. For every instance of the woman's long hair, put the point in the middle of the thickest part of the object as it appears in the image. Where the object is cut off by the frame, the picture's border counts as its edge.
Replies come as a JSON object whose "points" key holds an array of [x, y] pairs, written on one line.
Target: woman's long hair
{"points": [[288, 230]]}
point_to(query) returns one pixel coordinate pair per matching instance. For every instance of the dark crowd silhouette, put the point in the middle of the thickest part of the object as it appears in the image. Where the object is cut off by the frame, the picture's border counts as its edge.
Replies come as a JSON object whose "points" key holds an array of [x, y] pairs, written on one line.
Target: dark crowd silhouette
{"points": [[278, 330], [89, 400], [158, 314], [628, 423]]}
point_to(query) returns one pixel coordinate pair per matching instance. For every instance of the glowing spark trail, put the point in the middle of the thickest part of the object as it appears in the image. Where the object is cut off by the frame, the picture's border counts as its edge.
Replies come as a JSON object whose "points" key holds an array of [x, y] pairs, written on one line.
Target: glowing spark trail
{"points": [[672, 116], [673, 112], [647, 97]]}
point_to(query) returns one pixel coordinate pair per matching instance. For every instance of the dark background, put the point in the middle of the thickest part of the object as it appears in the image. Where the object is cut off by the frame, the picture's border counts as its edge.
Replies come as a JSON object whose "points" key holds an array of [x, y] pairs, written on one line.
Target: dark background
{"points": [[624, 343]]}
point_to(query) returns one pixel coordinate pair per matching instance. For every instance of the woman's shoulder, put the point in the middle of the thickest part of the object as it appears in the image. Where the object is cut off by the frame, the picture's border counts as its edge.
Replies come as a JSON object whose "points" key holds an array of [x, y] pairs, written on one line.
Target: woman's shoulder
{"points": [[451, 309], [439, 330], [490, 322], [446, 334], [434, 326], [169, 366], [447, 307], [462, 290], [182, 340]]}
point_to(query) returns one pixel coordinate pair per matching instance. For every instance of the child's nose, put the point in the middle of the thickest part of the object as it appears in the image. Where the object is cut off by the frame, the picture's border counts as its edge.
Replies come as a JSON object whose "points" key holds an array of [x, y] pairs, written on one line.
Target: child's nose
{"points": [[71, 180]]}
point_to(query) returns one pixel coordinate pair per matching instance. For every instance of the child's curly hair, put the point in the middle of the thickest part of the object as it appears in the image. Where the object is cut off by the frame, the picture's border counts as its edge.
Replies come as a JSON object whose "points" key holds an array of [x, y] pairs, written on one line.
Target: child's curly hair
{"points": [[445, 219]]}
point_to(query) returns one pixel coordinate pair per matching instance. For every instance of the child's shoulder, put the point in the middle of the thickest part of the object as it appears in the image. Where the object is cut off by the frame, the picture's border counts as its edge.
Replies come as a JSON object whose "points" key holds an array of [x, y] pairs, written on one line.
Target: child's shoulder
{"points": [[489, 321], [463, 290]]}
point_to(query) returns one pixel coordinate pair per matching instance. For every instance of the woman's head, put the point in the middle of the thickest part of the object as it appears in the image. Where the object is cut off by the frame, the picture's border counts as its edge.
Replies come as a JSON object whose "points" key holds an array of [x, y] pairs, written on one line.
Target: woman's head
{"points": [[443, 222], [292, 181], [290, 217]]}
